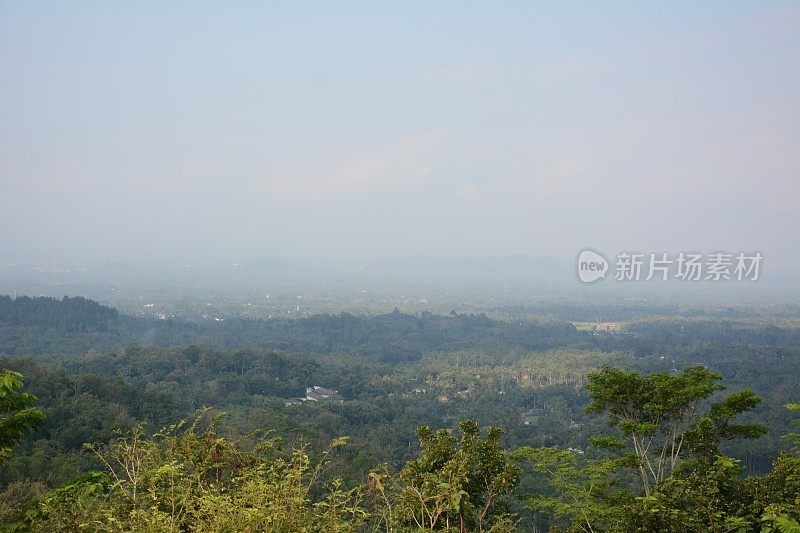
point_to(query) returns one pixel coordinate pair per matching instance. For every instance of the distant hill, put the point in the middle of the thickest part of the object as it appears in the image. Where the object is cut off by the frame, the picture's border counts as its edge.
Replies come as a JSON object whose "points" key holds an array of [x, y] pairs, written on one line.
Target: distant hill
{"points": [[506, 268]]}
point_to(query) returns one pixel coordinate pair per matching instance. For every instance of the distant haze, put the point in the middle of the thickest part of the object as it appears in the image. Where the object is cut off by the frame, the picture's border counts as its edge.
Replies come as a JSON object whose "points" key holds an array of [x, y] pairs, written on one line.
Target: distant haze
{"points": [[186, 132]]}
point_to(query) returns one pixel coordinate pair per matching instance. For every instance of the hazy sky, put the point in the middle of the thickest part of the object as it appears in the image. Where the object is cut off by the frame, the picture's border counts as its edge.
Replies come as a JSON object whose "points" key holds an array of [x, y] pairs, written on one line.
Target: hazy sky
{"points": [[198, 131]]}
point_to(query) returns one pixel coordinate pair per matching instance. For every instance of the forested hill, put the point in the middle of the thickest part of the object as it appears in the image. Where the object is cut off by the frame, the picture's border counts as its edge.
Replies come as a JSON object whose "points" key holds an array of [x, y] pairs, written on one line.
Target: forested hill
{"points": [[73, 315], [44, 327]]}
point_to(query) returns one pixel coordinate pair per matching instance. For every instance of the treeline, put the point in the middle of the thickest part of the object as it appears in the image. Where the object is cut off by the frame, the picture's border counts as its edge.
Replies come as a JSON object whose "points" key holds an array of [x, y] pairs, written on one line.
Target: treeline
{"points": [[684, 332], [615, 310], [71, 315], [71, 326], [392, 338], [586, 312]]}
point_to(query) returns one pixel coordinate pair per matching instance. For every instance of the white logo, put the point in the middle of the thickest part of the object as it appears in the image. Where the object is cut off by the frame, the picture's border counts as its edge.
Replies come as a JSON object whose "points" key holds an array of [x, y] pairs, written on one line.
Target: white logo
{"points": [[591, 266], [662, 266]]}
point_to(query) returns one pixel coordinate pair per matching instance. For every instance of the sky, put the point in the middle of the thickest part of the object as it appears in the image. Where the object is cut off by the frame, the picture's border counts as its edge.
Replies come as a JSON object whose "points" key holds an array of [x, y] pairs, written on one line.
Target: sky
{"points": [[189, 132]]}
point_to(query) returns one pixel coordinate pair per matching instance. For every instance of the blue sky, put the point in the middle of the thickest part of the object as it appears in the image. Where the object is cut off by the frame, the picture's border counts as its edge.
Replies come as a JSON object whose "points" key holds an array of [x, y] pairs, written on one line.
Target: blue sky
{"points": [[198, 131]]}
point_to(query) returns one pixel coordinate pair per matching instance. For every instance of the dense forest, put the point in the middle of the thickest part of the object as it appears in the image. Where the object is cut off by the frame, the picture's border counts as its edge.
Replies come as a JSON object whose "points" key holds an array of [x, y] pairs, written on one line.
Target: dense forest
{"points": [[71, 315], [448, 421]]}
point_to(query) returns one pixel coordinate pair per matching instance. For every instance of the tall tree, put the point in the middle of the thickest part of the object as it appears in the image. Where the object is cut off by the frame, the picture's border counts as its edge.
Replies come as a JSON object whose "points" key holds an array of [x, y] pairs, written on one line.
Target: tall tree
{"points": [[660, 415]]}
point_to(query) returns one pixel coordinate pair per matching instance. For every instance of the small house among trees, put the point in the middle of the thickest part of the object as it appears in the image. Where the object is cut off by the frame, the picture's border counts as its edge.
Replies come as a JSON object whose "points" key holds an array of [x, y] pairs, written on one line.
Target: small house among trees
{"points": [[317, 393]]}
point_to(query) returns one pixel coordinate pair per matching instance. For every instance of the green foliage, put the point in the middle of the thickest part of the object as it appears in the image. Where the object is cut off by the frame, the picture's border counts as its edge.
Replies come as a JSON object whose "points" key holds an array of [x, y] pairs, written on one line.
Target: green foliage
{"points": [[16, 496], [779, 491], [80, 409], [190, 477], [662, 416], [708, 497], [794, 437], [398, 371], [18, 416], [704, 491], [716, 426], [711, 495], [68, 314], [585, 494], [454, 484]]}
